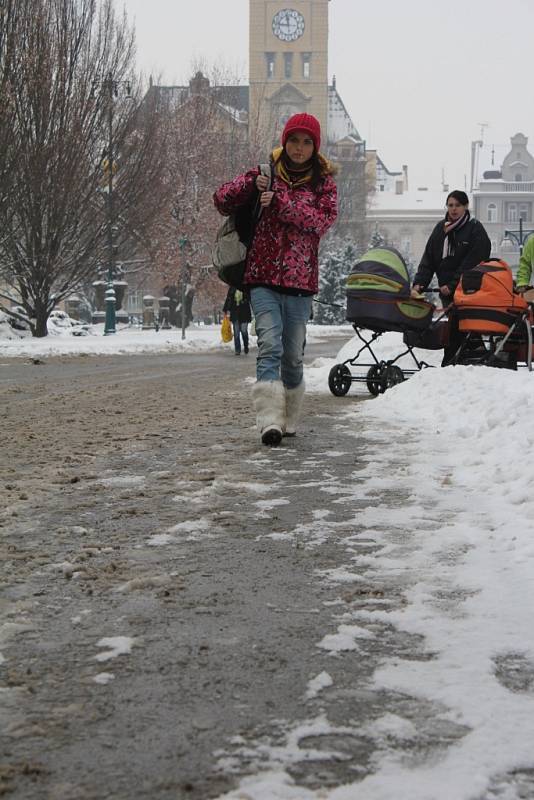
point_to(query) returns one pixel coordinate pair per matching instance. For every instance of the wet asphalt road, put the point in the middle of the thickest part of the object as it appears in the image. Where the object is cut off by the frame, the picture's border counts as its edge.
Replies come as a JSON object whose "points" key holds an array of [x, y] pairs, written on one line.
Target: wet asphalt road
{"points": [[165, 585]]}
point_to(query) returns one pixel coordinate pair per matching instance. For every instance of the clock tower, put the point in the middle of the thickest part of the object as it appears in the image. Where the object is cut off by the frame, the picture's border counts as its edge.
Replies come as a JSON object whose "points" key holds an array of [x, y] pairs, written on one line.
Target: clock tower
{"points": [[288, 64]]}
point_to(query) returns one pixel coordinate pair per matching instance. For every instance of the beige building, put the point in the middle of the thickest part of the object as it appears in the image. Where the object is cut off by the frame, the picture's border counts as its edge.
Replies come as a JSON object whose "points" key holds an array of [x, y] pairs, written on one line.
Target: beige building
{"points": [[288, 70]]}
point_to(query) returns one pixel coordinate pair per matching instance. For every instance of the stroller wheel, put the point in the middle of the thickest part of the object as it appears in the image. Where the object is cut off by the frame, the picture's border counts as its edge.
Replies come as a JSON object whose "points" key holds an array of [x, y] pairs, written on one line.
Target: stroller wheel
{"points": [[339, 380], [374, 380], [391, 376]]}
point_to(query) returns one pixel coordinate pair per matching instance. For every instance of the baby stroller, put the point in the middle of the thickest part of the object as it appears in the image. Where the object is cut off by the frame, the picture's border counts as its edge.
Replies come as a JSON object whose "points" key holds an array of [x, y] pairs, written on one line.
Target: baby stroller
{"points": [[379, 301], [496, 321]]}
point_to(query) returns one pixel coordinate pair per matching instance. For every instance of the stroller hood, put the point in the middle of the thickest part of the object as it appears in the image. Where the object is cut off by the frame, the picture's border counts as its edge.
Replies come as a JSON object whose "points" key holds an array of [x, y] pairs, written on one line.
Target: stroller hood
{"points": [[378, 294], [381, 272], [485, 300]]}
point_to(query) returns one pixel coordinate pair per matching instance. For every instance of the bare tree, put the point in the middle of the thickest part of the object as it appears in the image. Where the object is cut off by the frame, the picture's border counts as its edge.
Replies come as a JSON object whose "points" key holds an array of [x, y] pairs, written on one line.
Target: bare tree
{"points": [[207, 144], [59, 79]]}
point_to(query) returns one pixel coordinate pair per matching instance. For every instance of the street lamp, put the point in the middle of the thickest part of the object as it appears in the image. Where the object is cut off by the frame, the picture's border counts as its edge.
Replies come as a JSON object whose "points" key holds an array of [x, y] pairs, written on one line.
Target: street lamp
{"points": [[182, 242], [111, 88], [517, 237]]}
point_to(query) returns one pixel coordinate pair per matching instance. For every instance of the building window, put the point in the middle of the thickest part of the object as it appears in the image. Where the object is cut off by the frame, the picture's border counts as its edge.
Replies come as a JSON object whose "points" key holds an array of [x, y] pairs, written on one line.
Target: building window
{"points": [[270, 60], [135, 300], [492, 212], [525, 211], [511, 213], [306, 65], [518, 177], [288, 65], [382, 187]]}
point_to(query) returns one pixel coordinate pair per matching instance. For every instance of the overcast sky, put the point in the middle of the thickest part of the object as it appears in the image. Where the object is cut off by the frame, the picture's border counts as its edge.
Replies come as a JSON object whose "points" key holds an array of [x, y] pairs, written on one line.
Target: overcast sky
{"points": [[417, 76]]}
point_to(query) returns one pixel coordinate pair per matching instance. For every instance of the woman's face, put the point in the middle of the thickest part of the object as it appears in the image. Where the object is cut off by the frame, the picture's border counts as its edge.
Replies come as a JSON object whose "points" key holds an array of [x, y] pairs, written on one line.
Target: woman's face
{"points": [[299, 147], [455, 209]]}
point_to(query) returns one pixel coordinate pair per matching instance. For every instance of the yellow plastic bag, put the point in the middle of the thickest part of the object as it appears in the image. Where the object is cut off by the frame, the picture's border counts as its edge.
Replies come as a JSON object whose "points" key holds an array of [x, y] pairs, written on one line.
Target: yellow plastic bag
{"points": [[226, 330]]}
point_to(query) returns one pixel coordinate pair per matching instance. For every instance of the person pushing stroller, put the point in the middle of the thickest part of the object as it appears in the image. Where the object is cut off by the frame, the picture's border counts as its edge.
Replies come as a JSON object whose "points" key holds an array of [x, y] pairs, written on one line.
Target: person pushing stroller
{"points": [[457, 243]]}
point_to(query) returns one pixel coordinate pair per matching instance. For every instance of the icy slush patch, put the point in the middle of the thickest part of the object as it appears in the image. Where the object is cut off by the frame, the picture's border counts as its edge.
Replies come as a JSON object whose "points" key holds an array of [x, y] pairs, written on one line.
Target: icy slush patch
{"points": [[160, 539], [190, 525], [123, 481], [119, 646], [345, 638], [321, 681], [104, 677]]}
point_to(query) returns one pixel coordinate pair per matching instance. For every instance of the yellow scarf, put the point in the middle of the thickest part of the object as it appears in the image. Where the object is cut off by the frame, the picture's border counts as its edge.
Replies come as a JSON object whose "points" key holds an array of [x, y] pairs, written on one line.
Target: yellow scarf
{"points": [[282, 172]]}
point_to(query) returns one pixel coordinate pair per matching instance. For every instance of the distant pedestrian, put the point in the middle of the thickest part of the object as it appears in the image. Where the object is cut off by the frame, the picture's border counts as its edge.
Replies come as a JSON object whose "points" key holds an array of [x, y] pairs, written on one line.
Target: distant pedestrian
{"points": [[526, 262], [237, 306], [282, 271]]}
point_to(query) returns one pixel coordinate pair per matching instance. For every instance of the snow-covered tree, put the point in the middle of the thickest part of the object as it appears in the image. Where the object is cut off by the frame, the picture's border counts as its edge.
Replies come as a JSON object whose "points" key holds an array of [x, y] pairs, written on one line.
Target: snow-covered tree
{"points": [[376, 240], [337, 258]]}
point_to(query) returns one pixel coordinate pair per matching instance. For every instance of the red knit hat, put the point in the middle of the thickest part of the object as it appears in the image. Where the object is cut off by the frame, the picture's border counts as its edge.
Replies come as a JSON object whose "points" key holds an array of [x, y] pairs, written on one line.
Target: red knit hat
{"points": [[303, 122]]}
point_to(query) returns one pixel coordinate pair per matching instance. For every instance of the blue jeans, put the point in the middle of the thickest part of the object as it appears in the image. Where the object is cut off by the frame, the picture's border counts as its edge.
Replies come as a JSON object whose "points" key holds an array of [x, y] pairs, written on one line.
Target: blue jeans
{"points": [[240, 330], [281, 330]]}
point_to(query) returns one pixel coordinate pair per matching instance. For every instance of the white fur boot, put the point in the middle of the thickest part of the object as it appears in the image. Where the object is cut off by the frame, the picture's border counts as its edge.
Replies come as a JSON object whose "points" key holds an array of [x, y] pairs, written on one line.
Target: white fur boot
{"points": [[294, 398], [270, 404]]}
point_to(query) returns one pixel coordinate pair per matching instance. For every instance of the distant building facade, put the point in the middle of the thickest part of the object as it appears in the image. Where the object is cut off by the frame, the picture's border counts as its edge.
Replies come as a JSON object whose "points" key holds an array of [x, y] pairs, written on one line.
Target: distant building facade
{"points": [[288, 74], [406, 219], [503, 196]]}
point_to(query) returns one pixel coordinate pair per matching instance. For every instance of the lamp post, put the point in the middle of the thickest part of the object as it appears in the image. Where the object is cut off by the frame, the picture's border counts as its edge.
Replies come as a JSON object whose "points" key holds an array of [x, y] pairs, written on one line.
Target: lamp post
{"points": [[518, 237], [182, 243], [111, 88]]}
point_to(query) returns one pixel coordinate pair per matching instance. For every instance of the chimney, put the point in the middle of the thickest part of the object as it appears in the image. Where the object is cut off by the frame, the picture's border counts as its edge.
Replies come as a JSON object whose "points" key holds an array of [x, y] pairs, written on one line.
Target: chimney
{"points": [[405, 176], [199, 84]]}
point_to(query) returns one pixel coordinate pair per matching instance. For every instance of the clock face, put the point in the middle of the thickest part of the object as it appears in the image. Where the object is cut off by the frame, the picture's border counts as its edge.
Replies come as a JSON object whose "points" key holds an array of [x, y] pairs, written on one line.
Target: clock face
{"points": [[288, 25]]}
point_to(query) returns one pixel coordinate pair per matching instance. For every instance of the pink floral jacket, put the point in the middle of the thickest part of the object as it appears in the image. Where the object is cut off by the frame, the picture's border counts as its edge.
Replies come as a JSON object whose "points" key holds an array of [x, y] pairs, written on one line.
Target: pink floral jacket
{"points": [[285, 249]]}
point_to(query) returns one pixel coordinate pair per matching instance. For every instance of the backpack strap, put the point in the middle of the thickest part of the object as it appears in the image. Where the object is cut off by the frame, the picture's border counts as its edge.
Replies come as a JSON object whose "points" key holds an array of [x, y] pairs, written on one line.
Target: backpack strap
{"points": [[267, 170]]}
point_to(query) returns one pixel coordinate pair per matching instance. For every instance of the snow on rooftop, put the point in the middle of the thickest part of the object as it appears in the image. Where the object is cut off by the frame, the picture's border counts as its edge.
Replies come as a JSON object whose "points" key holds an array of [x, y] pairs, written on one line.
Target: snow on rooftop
{"points": [[418, 200]]}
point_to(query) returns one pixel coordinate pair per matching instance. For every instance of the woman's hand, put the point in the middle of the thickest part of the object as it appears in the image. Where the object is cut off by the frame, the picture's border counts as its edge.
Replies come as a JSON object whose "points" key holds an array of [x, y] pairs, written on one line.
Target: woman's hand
{"points": [[266, 199], [262, 183]]}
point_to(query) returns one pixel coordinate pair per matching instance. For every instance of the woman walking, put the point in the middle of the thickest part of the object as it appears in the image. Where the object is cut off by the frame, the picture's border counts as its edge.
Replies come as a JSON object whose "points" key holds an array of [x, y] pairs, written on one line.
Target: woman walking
{"points": [[238, 307], [282, 270]]}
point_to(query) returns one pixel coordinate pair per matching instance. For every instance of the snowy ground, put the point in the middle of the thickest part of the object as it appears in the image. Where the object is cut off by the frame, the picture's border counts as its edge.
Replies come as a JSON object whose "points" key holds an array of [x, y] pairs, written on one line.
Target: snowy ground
{"points": [[128, 340], [440, 504], [458, 442]]}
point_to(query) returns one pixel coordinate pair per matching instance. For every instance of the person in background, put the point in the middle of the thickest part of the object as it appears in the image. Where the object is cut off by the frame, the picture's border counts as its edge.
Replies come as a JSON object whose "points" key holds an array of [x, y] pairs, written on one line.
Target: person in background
{"points": [[457, 243], [282, 270], [237, 306], [526, 262]]}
